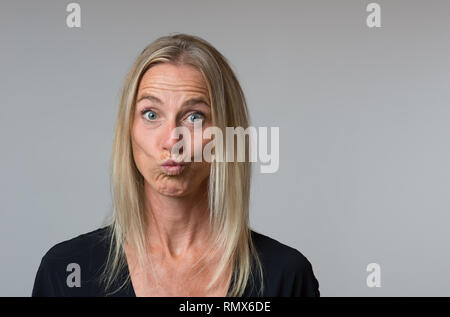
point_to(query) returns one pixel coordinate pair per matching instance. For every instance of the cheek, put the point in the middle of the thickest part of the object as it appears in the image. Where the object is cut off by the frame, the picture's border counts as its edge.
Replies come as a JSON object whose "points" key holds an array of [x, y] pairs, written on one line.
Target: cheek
{"points": [[200, 170], [198, 143], [144, 147]]}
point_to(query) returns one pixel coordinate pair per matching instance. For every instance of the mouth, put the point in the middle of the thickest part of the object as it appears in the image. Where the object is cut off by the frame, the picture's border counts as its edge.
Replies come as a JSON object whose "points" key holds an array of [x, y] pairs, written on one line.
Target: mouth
{"points": [[173, 170], [173, 167]]}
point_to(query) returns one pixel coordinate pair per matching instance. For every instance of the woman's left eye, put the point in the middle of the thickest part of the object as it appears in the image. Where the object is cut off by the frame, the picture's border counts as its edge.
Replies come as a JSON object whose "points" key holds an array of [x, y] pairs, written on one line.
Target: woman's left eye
{"points": [[195, 115]]}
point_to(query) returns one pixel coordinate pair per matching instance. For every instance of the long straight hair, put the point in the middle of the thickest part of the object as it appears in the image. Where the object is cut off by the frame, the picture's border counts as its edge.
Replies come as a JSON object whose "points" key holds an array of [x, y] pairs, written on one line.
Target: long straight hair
{"points": [[229, 182]]}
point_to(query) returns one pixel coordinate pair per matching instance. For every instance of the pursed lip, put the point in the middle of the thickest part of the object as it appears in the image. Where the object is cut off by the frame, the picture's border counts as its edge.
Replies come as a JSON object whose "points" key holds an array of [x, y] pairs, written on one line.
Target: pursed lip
{"points": [[172, 163]]}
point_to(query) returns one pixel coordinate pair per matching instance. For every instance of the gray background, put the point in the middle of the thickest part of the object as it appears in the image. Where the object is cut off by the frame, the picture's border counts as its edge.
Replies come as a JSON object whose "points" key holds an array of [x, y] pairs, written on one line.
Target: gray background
{"points": [[364, 121]]}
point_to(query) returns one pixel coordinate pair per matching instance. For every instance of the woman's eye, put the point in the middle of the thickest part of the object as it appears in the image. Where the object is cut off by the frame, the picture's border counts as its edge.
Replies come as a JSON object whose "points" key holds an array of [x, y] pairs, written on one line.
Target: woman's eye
{"points": [[149, 115], [196, 115]]}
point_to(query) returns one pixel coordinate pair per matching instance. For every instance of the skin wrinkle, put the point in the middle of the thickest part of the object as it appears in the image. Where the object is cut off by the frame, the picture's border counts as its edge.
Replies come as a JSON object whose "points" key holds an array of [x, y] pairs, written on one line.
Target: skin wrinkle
{"points": [[155, 99]]}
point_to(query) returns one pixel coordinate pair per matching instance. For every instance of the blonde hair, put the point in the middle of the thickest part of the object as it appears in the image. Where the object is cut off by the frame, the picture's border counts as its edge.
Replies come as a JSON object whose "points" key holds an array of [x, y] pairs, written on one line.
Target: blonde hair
{"points": [[229, 182]]}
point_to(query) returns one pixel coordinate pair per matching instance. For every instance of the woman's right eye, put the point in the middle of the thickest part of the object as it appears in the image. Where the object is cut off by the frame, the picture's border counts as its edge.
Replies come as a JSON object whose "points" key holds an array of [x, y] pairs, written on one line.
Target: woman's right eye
{"points": [[149, 115]]}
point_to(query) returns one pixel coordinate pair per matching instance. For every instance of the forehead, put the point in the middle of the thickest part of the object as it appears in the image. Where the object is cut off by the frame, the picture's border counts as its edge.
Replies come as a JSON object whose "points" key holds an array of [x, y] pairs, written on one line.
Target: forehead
{"points": [[170, 77]]}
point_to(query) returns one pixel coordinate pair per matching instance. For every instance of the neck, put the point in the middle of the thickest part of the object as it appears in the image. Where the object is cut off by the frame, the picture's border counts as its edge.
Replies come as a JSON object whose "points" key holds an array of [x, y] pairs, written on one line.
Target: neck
{"points": [[177, 225]]}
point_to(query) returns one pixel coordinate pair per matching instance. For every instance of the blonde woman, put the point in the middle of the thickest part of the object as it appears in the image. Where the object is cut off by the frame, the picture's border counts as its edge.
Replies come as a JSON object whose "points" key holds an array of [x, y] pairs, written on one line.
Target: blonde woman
{"points": [[178, 228]]}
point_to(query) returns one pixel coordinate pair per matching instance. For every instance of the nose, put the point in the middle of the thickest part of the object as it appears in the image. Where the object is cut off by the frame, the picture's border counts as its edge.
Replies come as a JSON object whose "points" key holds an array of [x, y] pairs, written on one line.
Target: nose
{"points": [[169, 138]]}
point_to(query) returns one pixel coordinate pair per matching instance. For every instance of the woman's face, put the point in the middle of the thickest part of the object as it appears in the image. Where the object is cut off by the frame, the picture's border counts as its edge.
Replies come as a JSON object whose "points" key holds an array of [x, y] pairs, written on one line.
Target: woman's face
{"points": [[170, 96]]}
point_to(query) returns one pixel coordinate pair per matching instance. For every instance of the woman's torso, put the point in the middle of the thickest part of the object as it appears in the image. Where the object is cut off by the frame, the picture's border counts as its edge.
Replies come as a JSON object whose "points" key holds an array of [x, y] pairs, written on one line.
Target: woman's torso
{"points": [[177, 277]]}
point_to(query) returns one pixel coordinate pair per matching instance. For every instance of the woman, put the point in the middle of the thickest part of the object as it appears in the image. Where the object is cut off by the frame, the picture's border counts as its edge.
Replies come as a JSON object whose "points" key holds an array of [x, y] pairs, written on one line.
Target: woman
{"points": [[179, 228]]}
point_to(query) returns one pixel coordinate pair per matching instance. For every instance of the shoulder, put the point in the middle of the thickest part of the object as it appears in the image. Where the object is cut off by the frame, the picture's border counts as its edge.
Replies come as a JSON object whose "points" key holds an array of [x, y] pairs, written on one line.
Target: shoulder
{"points": [[78, 247], [72, 267], [287, 270], [276, 253]]}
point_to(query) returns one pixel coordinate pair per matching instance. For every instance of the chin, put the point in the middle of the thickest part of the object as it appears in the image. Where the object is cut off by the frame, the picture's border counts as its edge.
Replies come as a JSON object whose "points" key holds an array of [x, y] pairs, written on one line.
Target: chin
{"points": [[170, 188], [172, 192]]}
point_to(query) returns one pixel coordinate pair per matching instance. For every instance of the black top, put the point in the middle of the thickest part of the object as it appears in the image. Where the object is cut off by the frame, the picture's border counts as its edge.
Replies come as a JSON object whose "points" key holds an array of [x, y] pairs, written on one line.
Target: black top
{"points": [[287, 272]]}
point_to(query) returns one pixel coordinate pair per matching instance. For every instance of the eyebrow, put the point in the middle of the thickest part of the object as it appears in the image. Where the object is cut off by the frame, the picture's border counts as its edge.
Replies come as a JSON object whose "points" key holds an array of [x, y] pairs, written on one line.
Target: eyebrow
{"points": [[189, 102]]}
